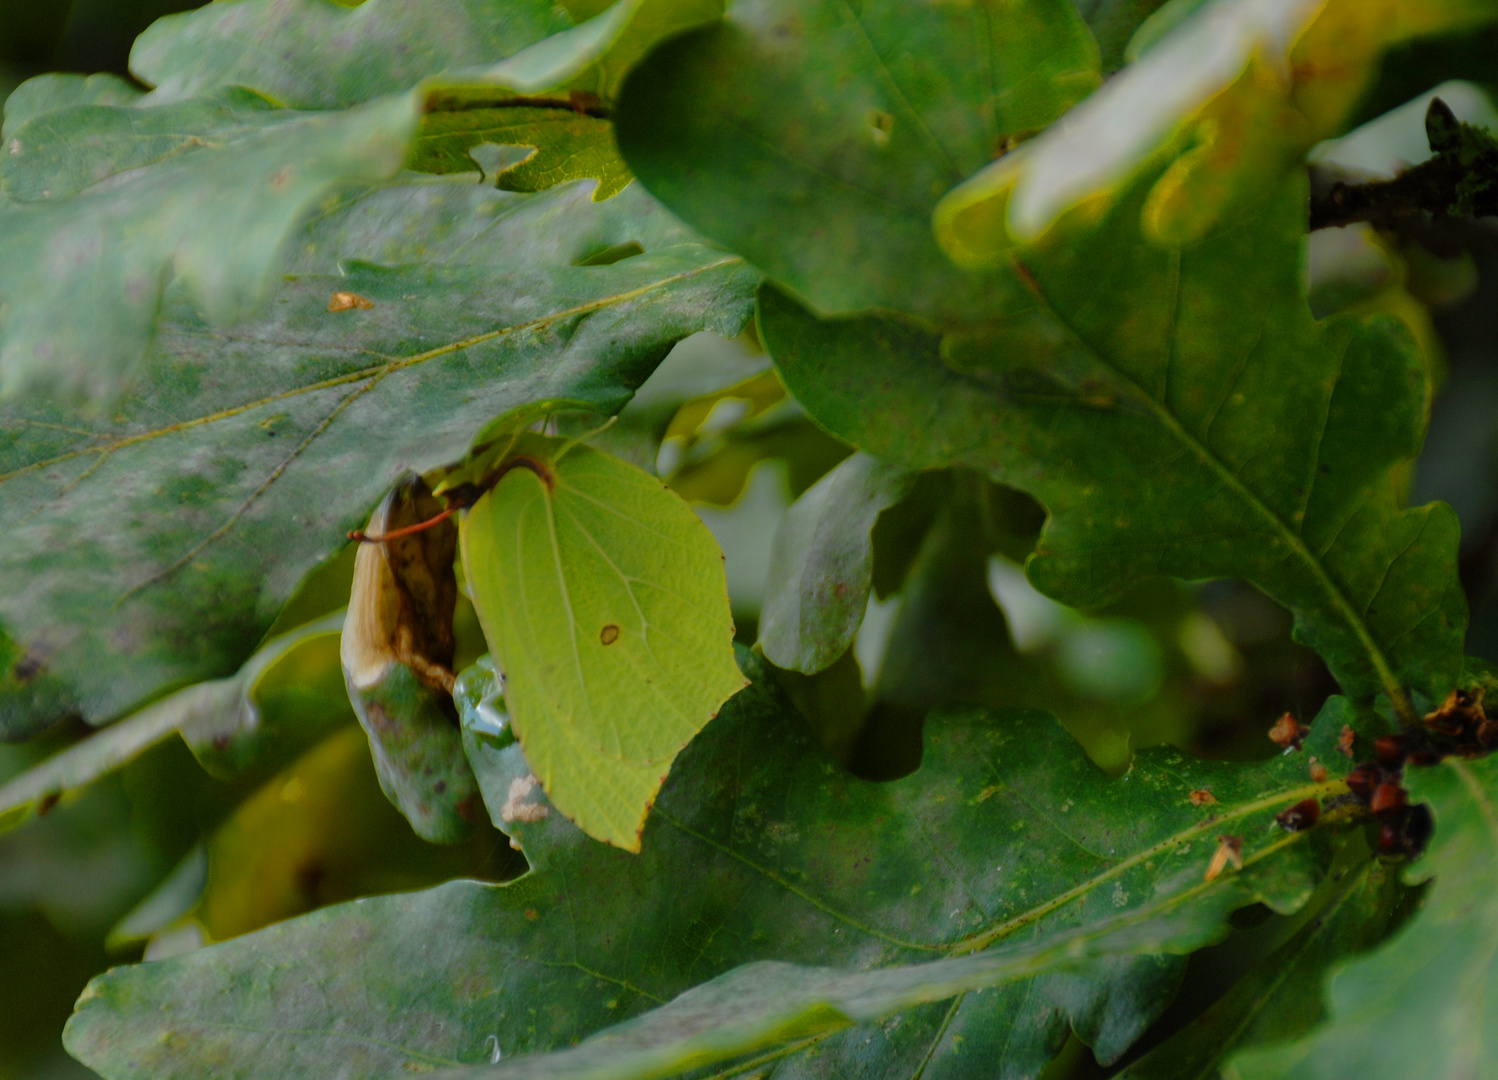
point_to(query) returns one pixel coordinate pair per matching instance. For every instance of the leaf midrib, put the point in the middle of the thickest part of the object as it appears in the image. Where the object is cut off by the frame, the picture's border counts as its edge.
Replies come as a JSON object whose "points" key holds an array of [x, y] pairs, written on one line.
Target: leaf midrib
{"points": [[982, 940], [390, 366], [1291, 538]]}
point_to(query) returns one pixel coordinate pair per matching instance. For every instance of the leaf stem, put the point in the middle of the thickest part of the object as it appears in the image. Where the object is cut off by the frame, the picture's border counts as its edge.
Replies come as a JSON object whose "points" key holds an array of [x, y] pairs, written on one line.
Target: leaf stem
{"points": [[980, 941]]}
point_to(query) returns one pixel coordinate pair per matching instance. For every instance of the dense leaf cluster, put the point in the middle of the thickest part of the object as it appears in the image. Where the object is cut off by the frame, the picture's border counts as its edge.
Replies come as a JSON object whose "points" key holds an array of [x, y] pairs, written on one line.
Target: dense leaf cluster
{"points": [[385, 383]]}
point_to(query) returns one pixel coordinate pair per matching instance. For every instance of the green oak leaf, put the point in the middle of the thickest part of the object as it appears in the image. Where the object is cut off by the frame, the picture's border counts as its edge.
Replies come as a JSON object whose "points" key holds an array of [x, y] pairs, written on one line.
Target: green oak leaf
{"points": [[567, 140], [822, 564], [318, 54], [517, 74], [451, 221], [603, 599], [230, 173], [789, 859], [150, 549], [1177, 411], [1234, 94], [769, 1004], [1421, 1005], [555, 97], [83, 278], [815, 138], [45, 93], [948, 642], [594, 57], [66, 150], [1274, 1002], [174, 896], [1113, 23], [716, 471], [277, 704]]}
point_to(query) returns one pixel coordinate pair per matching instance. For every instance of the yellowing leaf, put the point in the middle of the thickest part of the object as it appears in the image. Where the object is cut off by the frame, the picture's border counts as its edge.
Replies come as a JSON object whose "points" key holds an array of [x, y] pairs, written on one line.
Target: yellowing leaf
{"points": [[1236, 94], [318, 832], [603, 599]]}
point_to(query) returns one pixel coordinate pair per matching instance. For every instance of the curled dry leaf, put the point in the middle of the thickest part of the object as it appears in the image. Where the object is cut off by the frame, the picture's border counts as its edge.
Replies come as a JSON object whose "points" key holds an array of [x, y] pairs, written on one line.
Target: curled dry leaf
{"points": [[1461, 712], [397, 662]]}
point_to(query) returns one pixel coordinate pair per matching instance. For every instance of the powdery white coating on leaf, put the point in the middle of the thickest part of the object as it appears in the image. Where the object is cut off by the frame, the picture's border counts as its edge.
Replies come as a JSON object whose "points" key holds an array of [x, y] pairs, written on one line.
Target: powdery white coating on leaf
{"points": [[242, 458], [216, 216], [760, 847], [318, 54]]}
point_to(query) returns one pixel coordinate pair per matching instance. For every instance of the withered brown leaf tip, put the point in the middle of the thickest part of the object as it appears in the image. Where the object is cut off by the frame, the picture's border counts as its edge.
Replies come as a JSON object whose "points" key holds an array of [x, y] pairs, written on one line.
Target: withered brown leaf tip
{"points": [[1229, 850], [347, 301], [404, 593], [1345, 740], [1459, 713], [1288, 732], [1202, 797]]}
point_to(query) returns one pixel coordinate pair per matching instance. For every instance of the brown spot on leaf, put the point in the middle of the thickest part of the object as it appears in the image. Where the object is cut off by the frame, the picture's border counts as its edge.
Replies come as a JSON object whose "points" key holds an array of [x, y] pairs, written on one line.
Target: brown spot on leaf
{"points": [[1318, 770], [1346, 739], [1202, 797], [47, 802], [609, 634], [1229, 850], [532, 914], [347, 301]]}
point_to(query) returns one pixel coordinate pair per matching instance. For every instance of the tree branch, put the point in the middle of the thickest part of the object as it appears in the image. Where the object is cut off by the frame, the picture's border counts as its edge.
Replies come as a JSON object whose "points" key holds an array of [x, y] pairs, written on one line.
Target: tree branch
{"points": [[1460, 181]]}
